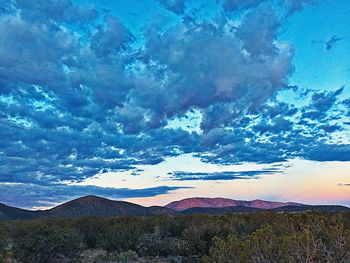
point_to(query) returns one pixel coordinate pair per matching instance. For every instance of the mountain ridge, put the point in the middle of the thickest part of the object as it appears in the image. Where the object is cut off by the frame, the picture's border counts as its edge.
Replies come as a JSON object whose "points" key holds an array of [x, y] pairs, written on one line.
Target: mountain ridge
{"points": [[219, 202], [92, 205], [89, 205]]}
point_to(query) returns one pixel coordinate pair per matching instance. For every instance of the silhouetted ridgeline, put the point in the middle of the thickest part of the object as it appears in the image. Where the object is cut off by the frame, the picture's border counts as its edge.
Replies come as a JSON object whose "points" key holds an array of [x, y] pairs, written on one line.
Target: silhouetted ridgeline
{"points": [[84, 206], [97, 206]]}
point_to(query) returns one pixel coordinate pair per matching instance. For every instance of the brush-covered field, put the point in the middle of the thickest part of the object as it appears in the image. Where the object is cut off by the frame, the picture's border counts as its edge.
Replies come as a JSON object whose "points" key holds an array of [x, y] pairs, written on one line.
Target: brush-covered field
{"points": [[259, 237]]}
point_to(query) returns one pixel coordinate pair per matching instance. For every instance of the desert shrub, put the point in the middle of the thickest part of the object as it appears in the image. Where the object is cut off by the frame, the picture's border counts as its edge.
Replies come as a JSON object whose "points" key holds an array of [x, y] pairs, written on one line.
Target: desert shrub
{"points": [[259, 237], [121, 234], [311, 237], [47, 243], [91, 230], [126, 257]]}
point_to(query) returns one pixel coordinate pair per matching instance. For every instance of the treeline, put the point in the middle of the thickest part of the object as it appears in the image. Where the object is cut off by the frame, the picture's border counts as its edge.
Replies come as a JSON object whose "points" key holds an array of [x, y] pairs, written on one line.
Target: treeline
{"points": [[258, 237]]}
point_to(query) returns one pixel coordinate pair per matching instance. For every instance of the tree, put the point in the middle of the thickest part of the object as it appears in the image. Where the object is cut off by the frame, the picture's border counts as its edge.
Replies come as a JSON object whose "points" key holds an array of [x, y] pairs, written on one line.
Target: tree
{"points": [[337, 249], [226, 251], [47, 243]]}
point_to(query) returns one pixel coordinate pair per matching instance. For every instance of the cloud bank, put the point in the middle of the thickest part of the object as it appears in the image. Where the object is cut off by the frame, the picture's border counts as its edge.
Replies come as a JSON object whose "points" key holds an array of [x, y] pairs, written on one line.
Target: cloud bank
{"points": [[228, 175], [80, 94]]}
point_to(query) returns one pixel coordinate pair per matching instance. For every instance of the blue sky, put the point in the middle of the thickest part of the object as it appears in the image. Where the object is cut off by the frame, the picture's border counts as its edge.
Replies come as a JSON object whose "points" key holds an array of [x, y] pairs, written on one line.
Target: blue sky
{"points": [[156, 100], [309, 31]]}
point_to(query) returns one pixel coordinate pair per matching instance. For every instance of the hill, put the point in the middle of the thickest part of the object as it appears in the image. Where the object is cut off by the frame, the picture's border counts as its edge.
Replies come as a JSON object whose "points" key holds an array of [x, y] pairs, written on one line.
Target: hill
{"points": [[13, 213], [246, 210], [220, 210], [306, 208], [97, 206], [84, 206], [223, 202]]}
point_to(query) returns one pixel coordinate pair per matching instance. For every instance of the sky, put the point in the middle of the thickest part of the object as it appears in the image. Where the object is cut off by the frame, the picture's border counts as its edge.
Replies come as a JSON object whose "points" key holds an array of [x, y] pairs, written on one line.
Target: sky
{"points": [[158, 100]]}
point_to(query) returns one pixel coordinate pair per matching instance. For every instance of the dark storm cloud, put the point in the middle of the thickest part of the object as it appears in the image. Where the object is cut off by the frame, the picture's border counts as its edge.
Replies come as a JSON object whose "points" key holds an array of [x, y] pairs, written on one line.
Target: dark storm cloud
{"points": [[81, 95], [229, 175], [31, 195]]}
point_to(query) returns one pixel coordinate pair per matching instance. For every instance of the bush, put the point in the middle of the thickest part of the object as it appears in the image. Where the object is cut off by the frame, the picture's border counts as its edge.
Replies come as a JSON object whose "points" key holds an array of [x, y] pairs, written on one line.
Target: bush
{"points": [[47, 243], [258, 237], [311, 238]]}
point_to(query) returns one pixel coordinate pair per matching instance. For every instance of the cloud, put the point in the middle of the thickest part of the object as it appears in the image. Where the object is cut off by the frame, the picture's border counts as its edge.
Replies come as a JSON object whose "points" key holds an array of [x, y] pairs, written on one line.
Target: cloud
{"points": [[341, 184], [26, 58], [43, 11], [81, 95], [346, 103], [328, 152], [112, 37], [228, 175], [331, 42], [278, 125], [234, 5], [258, 31], [176, 6], [321, 103], [277, 132], [31, 195], [5, 7], [293, 6], [226, 74], [288, 6], [325, 100]]}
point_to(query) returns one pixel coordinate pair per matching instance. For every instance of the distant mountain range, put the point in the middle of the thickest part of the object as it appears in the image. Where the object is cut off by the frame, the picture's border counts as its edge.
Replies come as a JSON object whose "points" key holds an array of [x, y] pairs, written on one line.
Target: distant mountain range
{"points": [[224, 202], [97, 206]]}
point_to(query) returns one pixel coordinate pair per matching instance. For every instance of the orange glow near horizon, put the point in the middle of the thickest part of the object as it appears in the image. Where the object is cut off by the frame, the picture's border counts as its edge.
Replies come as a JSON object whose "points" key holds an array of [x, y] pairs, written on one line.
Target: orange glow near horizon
{"points": [[304, 182]]}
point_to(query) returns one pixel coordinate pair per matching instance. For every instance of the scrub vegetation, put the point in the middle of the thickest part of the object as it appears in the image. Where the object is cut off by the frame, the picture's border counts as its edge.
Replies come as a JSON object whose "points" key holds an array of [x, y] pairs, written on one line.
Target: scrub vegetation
{"points": [[258, 237]]}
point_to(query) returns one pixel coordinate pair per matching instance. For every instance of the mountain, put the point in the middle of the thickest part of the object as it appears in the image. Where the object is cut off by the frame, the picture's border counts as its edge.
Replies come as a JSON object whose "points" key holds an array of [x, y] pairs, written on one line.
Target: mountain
{"points": [[306, 208], [218, 202], [97, 206], [220, 210], [13, 213], [85, 206], [283, 209]]}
